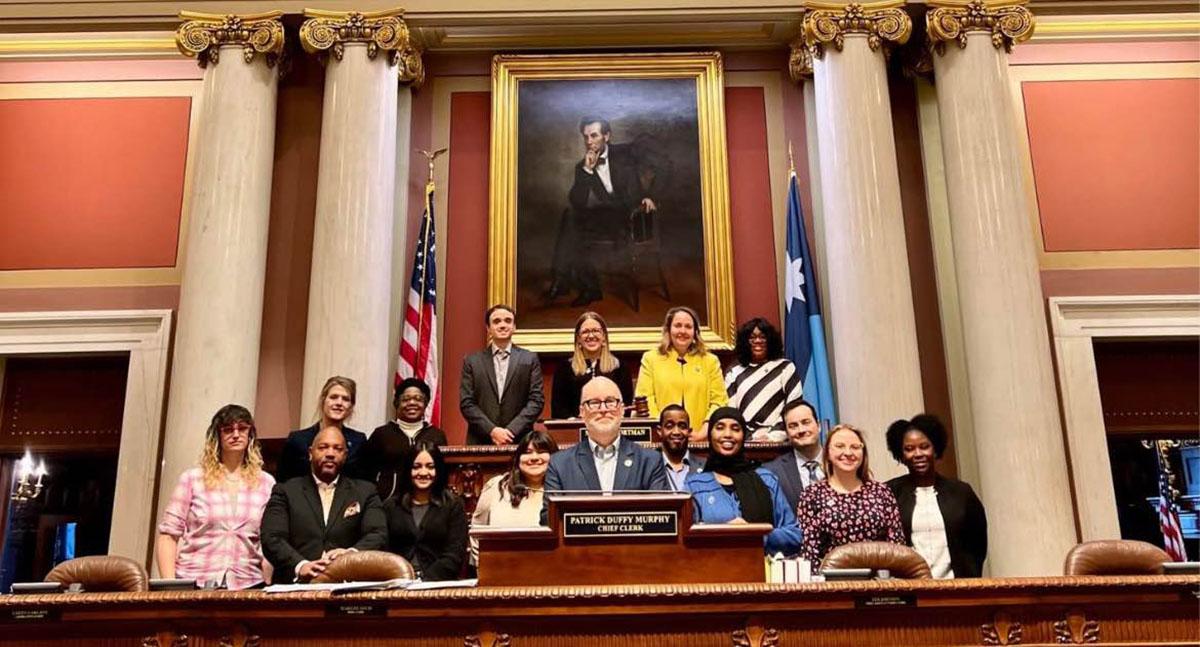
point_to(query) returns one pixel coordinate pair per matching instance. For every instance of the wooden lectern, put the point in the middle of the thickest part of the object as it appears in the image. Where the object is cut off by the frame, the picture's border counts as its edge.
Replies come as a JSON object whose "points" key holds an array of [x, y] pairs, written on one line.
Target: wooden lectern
{"points": [[621, 538]]}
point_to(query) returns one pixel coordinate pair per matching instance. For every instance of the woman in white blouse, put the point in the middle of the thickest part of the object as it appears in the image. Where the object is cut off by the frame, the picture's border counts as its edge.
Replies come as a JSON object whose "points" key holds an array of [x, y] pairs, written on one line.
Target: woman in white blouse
{"points": [[943, 519], [514, 499]]}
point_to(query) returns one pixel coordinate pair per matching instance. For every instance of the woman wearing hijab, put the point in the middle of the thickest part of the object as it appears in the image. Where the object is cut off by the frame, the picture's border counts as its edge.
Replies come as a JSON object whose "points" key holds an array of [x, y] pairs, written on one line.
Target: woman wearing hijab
{"points": [[733, 489]]}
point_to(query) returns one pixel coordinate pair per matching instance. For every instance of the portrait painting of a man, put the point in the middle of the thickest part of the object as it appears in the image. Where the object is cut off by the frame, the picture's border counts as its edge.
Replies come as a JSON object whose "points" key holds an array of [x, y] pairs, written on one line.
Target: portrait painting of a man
{"points": [[609, 193], [608, 199]]}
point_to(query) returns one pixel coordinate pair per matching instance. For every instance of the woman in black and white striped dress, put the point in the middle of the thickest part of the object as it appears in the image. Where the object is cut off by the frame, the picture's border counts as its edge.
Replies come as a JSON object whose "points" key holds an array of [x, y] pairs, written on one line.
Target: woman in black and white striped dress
{"points": [[763, 380]]}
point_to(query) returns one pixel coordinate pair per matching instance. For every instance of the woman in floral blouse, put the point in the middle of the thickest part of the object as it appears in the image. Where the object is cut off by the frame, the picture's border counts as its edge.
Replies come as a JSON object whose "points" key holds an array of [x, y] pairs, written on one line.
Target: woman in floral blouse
{"points": [[848, 506]]}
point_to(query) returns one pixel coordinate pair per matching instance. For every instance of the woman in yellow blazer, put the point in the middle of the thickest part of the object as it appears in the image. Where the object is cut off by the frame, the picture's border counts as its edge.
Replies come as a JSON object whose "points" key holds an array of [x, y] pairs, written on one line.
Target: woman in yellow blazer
{"points": [[681, 371]]}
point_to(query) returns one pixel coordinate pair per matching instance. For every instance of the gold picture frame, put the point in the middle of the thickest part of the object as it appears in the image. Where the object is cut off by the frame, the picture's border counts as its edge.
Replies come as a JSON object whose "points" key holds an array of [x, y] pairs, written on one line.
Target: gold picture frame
{"points": [[704, 69]]}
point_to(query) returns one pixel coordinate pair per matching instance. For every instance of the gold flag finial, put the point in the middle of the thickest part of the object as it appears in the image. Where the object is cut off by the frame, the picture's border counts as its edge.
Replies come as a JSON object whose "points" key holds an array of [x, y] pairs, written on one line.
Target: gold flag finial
{"points": [[431, 155], [791, 160]]}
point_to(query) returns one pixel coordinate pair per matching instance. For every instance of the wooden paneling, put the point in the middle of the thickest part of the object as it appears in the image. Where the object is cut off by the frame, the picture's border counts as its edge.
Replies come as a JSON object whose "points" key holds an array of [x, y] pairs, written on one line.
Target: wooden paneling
{"points": [[62, 403], [1027, 611]]}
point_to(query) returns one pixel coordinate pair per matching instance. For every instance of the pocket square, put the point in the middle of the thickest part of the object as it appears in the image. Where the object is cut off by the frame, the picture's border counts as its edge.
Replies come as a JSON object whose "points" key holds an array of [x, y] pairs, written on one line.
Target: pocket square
{"points": [[352, 510]]}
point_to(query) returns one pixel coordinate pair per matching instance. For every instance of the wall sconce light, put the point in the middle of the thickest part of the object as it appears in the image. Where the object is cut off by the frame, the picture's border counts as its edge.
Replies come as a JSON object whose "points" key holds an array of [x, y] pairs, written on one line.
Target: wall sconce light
{"points": [[29, 479]]}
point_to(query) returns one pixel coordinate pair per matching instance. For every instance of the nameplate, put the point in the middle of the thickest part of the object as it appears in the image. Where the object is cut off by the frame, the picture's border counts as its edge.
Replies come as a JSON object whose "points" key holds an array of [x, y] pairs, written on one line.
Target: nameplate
{"points": [[876, 601], [356, 609], [35, 615], [620, 524], [642, 434]]}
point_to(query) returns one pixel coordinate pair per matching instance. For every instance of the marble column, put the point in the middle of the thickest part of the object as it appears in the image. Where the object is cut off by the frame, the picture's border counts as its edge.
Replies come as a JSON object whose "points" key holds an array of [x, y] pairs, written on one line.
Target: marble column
{"points": [[368, 56], [1014, 407], [215, 360], [870, 298]]}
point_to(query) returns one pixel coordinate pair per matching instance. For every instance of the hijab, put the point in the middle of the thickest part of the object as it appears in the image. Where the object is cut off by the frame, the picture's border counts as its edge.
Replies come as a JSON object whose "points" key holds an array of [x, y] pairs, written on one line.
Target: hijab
{"points": [[752, 493]]}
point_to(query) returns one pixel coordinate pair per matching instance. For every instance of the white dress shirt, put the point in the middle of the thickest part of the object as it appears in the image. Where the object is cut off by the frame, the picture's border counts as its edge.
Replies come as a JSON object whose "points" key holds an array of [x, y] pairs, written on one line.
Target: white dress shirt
{"points": [[606, 462]]}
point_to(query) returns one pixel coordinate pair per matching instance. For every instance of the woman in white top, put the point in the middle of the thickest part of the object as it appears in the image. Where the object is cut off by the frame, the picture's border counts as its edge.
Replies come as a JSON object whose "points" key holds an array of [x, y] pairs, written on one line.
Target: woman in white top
{"points": [[943, 519], [763, 381], [514, 499]]}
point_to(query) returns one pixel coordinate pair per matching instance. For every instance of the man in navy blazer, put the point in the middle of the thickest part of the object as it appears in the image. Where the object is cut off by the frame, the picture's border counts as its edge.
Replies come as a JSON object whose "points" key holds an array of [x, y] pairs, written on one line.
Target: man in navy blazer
{"points": [[605, 462], [800, 467]]}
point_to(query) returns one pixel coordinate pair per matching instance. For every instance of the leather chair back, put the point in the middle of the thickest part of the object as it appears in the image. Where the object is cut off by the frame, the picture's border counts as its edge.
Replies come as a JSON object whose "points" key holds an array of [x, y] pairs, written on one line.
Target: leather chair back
{"points": [[1115, 557], [100, 573], [903, 562], [366, 566]]}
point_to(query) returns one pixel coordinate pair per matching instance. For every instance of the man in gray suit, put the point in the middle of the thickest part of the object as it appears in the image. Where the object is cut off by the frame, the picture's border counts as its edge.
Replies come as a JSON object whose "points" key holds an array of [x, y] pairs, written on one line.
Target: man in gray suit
{"points": [[605, 462], [800, 467], [501, 391]]}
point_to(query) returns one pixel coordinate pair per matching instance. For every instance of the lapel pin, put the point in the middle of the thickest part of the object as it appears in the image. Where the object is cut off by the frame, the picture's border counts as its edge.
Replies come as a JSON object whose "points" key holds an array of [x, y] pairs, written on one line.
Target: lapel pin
{"points": [[628, 462]]}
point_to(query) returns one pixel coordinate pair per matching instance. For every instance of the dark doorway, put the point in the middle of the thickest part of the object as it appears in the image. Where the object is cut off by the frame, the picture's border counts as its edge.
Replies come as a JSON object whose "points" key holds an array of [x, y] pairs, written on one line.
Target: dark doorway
{"points": [[65, 413]]}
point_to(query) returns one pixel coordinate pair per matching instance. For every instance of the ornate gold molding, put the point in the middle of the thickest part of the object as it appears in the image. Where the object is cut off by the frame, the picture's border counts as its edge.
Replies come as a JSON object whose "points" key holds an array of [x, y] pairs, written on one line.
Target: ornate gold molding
{"points": [[1008, 21], [204, 34], [827, 24], [329, 31], [800, 61]]}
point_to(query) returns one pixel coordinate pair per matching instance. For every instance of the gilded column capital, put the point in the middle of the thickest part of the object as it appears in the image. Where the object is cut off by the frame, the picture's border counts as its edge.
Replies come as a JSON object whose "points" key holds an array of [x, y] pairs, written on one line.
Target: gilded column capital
{"points": [[827, 23], [1008, 21], [329, 31], [800, 61], [203, 35]]}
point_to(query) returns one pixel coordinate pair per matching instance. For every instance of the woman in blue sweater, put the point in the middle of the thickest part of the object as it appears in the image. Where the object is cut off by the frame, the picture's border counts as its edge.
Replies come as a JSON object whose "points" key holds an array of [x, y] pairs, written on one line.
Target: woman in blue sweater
{"points": [[733, 489]]}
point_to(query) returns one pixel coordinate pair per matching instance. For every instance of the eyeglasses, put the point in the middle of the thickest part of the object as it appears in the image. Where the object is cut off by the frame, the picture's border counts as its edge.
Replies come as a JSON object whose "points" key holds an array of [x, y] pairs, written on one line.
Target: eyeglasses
{"points": [[607, 404], [591, 332], [413, 398], [853, 446], [238, 429]]}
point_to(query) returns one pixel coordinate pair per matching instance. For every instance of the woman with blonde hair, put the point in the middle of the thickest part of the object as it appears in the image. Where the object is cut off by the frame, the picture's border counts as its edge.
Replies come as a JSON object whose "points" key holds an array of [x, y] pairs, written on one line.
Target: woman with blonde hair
{"points": [[591, 358], [681, 371], [849, 506], [210, 529], [335, 406]]}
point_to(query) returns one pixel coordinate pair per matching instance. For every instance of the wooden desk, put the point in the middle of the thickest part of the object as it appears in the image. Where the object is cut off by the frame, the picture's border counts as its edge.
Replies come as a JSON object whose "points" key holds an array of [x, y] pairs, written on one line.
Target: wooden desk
{"points": [[665, 548], [1028, 611]]}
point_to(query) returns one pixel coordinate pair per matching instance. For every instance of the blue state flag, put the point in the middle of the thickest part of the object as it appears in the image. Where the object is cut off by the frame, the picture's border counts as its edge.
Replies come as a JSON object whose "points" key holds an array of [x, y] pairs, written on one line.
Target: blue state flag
{"points": [[804, 331]]}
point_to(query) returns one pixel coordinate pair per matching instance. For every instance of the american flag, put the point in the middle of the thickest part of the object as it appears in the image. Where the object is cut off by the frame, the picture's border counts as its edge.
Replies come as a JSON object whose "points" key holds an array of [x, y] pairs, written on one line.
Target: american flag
{"points": [[418, 339], [1168, 519]]}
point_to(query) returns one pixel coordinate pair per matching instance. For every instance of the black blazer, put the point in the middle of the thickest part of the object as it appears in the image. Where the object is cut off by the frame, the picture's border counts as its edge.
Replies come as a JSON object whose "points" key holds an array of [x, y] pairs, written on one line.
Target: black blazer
{"points": [[438, 546], [293, 460], [566, 388], [963, 514], [293, 528], [516, 409], [382, 455]]}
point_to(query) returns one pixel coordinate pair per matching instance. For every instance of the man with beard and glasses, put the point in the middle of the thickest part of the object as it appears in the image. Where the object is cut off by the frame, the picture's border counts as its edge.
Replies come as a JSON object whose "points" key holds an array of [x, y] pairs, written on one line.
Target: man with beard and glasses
{"points": [[312, 520], [605, 462]]}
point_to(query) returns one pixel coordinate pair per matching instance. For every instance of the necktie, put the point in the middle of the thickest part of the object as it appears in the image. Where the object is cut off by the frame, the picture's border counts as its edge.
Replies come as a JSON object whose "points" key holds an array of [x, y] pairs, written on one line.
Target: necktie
{"points": [[501, 370], [811, 466]]}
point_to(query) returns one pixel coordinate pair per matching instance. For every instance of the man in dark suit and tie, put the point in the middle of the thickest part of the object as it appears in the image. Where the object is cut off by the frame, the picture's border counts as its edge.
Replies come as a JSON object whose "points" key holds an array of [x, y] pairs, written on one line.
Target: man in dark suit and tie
{"points": [[313, 519], [501, 391], [605, 462], [610, 184], [800, 467]]}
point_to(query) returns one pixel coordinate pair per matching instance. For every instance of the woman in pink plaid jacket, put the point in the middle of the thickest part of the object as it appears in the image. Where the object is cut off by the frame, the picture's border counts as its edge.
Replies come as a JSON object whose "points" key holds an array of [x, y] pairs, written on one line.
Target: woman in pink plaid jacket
{"points": [[209, 532]]}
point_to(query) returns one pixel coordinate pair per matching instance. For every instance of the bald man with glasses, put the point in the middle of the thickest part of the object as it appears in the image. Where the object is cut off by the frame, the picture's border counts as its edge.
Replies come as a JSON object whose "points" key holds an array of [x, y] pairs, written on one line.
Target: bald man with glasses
{"points": [[605, 462]]}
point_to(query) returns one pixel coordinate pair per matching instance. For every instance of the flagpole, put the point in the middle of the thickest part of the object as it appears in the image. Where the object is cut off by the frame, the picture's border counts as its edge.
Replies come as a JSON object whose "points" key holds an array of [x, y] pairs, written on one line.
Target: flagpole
{"points": [[430, 156]]}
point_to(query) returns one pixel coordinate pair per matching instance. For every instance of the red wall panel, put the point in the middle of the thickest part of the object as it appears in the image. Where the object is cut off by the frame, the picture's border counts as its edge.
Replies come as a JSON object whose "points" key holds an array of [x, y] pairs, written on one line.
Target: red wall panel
{"points": [[91, 183], [1116, 163]]}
